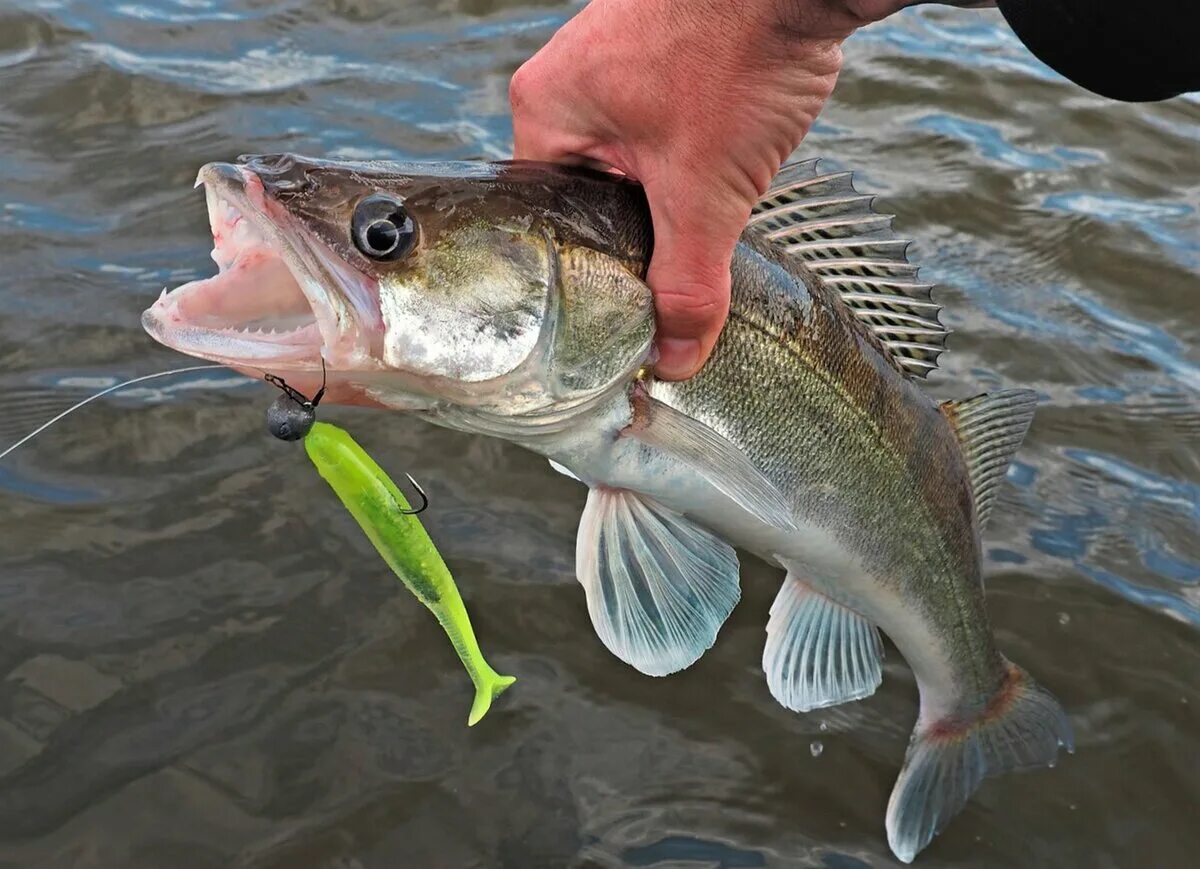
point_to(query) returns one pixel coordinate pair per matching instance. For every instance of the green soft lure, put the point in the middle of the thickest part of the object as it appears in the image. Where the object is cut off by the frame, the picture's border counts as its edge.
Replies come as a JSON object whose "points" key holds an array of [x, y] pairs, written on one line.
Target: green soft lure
{"points": [[379, 507]]}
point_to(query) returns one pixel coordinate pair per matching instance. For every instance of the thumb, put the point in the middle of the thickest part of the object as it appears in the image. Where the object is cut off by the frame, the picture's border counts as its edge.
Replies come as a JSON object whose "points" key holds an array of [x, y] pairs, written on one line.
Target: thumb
{"points": [[694, 238]]}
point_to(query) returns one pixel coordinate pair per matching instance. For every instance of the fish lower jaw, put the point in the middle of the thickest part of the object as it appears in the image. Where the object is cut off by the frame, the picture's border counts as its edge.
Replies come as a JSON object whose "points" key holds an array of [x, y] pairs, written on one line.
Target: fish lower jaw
{"points": [[301, 347], [207, 319]]}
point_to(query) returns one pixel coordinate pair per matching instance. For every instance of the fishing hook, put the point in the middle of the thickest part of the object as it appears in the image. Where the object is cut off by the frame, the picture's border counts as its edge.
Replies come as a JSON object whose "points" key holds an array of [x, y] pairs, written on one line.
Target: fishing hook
{"points": [[421, 492], [287, 424]]}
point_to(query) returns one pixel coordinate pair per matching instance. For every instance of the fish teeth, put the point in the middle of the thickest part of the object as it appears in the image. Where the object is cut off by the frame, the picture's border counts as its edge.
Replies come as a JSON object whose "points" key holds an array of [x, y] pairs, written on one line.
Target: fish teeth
{"points": [[212, 203]]}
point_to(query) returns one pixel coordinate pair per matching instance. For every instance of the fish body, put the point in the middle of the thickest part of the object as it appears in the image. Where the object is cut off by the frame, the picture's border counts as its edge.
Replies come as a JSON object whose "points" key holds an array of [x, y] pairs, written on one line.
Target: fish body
{"points": [[508, 300], [383, 513], [882, 528]]}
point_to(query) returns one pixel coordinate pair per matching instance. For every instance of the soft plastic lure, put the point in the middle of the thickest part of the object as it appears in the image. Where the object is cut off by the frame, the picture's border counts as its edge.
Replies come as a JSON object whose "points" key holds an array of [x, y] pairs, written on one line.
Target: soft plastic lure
{"points": [[384, 514], [392, 526]]}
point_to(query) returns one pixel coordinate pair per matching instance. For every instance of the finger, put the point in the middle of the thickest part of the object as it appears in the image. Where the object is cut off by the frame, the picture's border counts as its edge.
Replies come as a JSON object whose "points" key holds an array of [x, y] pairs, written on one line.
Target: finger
{"points": [[554, 144], [544, 127], [690, 318], [557, 143], [689, 275]]}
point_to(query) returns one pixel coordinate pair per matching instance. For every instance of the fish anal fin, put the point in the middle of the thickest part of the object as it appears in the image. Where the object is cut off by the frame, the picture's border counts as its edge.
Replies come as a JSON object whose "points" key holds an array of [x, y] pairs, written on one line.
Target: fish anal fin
{"points": [[818, 652], [990, 428], [820, 219], [1021, 726], [658, 586], [711, 455]]}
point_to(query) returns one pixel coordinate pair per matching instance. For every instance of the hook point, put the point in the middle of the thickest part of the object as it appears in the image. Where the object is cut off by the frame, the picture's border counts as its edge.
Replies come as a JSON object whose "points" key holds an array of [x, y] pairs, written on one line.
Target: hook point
{"points": [[421, 492]]}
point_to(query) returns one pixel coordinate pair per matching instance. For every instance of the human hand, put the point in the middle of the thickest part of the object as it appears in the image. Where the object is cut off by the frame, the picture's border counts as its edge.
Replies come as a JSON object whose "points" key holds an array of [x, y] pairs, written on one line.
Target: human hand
{"points": [[699, 100]]}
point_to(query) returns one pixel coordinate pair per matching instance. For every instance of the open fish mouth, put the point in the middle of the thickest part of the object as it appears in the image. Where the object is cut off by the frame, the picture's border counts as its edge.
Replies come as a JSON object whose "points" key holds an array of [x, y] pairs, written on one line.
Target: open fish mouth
{"points": [[280, 297]]}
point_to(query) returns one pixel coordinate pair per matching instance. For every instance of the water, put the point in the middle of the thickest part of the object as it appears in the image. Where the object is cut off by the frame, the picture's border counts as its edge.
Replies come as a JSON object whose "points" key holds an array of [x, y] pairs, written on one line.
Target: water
{"points": [[207, 666]]}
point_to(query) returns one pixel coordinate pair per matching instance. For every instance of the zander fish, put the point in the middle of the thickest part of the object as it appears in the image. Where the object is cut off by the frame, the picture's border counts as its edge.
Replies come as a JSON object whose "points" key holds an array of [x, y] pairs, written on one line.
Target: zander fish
{"points": [[507, 299]]}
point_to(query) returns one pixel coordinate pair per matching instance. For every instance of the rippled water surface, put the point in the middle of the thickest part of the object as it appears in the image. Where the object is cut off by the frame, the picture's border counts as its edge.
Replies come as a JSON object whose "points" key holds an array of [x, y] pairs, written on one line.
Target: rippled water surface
{"points": [[207, 666]]}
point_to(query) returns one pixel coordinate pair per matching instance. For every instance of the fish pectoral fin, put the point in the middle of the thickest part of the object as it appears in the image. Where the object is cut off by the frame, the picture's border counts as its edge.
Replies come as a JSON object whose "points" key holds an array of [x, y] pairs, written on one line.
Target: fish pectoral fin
{"points": [[658, 586], [818, 652], [711, 455]]}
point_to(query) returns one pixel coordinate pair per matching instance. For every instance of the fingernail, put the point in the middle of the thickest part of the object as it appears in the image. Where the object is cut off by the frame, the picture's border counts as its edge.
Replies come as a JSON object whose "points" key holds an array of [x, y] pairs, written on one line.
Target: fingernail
{"points": [[678, 358]]}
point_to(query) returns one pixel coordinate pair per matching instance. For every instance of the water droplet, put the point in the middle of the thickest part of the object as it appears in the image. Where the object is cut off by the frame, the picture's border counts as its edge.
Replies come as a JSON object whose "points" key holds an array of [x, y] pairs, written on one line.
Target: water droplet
{"points": [[1064, 619], [1072, 807], [816, 748], [823, 727]]}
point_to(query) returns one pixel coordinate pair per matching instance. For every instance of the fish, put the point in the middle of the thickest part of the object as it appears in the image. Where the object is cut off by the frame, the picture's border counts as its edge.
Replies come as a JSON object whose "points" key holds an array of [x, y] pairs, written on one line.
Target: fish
{"points": [[383, 513], [508, 299]]}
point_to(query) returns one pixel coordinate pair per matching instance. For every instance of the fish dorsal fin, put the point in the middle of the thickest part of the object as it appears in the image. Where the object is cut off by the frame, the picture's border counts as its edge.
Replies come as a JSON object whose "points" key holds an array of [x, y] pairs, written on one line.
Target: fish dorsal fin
{"points": [[990, 428], [821, 219]]}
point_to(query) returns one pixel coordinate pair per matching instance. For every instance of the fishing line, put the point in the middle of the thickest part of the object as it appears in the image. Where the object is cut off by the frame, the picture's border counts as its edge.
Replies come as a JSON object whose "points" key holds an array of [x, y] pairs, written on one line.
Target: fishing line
{"points": [[41, 428]]}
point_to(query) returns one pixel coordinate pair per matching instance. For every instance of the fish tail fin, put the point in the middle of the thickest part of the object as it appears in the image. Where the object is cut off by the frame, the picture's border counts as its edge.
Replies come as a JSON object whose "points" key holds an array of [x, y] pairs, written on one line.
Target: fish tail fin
{"points": [[488, 686], [1021, 726]]}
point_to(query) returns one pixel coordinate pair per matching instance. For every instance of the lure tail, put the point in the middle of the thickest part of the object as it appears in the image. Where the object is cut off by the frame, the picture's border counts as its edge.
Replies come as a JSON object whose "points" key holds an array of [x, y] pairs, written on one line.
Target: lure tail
{"points": [[488, 686]]}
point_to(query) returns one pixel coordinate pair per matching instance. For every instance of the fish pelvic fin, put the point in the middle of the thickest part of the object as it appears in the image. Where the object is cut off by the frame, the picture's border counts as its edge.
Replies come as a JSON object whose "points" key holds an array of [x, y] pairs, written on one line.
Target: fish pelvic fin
{"points": [[488, 686], [818, 652], [990, 428], [658, 586], [1021, 726]]}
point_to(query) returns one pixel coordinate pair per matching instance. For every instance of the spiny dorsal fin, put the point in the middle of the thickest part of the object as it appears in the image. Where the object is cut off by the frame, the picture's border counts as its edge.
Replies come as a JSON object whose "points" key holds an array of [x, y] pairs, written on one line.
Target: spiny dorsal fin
{"points": [[824, 221], [990, 428]]}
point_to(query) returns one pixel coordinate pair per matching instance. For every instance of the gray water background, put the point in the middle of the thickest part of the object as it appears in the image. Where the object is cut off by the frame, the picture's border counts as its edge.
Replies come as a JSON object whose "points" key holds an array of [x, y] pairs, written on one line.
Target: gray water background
{"points": [[203, 663]]}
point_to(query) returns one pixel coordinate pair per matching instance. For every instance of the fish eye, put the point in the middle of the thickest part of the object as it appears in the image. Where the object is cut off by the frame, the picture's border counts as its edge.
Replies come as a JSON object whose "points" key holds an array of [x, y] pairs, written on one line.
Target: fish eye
{"points": [[382, 228]]}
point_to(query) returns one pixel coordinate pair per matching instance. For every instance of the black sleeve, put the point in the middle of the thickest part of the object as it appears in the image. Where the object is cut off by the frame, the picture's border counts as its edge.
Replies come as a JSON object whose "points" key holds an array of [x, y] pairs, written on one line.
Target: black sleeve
{"points": [[1132, 50]]}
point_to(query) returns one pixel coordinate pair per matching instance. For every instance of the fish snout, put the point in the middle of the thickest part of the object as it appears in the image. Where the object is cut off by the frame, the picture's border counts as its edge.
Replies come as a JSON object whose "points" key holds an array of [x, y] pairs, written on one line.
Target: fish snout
{"points": [[280, 173]]}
